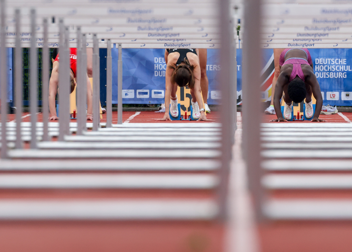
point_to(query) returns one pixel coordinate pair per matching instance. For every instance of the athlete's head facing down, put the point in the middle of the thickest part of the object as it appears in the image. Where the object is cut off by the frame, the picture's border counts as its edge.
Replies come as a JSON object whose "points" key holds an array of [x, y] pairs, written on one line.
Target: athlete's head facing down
{"points": [[183, 75], [297, 90]]}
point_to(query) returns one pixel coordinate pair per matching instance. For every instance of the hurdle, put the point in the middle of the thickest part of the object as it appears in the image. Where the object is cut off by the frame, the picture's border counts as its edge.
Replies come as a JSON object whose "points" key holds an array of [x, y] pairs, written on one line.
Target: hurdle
{"points": [[279, 28], [204, 36], [120, 147]]}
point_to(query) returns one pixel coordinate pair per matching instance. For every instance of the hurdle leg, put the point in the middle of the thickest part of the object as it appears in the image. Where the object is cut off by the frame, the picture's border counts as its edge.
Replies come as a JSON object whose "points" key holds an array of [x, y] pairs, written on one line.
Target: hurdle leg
{"points": [[33, 81], [18, 80], [119, 98], [251, 100], [109, 87], [45, 82], [61, 80], [83, 89], [67, 82], [3, 76], [80, 82], [96, 114]]}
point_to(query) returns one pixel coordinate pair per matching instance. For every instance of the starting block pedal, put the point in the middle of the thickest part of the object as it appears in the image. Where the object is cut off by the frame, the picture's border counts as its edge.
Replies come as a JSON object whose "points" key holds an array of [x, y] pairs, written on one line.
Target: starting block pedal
{"points": [[179, 114], [304, 112], [181, 117], [282, 112]]}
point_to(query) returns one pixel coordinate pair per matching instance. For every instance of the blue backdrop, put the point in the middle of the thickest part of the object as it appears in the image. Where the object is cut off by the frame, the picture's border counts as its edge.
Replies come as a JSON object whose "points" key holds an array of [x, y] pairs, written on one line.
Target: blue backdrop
{"points": [[9, 75], [333, 70], [144, 75]]}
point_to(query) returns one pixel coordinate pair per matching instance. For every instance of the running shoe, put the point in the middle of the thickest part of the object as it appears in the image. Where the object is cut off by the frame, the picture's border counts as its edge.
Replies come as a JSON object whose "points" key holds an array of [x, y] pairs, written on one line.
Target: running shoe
{"points": [[174, 108], [288, 112], [309, 110], [161, 108], [329, 110], [207, 109], [103, 110], [270, 110], [196, 112]]}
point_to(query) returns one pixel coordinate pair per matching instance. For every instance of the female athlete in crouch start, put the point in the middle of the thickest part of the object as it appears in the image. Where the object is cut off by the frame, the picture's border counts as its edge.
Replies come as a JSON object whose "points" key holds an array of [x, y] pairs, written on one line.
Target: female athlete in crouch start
{"points": [[183, 69], [298, 81]]}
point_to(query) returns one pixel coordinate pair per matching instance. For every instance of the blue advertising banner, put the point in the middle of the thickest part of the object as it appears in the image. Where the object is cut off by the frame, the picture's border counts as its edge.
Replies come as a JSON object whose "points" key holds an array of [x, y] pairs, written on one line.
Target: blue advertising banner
{"points": [[9, 75], [334, 74], [144, 75]]}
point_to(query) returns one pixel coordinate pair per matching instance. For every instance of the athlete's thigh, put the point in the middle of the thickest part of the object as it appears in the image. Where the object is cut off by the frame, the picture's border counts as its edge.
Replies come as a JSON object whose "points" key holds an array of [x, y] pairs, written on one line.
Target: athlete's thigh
{"points": [[277, 53], [203, 59]]}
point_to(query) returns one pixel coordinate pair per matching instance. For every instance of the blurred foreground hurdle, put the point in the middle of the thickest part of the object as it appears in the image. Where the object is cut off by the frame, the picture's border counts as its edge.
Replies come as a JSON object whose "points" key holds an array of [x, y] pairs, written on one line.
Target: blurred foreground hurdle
{"points": [[154, 175]]}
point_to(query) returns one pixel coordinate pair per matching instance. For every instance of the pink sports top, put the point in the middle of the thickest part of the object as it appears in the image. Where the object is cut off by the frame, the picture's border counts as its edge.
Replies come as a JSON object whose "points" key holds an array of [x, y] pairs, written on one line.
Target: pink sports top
{"points": [[296, 62]]}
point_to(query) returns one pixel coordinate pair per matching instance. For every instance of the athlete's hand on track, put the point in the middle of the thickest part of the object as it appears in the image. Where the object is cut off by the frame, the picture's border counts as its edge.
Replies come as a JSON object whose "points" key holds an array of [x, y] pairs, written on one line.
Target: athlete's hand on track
{"points": [[89, 117], [53, 118], [279, 120], [317, 120], [203, 117], [165, 118]]}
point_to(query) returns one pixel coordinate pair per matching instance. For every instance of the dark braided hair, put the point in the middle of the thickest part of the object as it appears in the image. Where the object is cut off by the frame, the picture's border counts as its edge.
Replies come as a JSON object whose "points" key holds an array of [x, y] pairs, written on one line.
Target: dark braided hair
{"points": [[297, 90]]}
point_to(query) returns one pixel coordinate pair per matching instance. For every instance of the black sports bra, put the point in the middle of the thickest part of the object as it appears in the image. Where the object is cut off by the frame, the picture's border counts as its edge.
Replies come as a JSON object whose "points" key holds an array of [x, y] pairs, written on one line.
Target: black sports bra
{"points": [[182, 52]]}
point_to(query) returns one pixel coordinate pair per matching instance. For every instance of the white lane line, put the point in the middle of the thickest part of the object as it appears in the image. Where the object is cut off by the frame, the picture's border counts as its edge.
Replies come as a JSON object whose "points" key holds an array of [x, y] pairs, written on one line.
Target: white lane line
{"points": [[132, 117], [21, 117], [344, 117], [241, 236]]}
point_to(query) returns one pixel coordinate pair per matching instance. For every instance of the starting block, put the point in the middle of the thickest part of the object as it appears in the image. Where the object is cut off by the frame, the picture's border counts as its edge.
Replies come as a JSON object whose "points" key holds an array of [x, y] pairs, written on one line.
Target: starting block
{"points": [[179, 114], [183, 117], [299, 117], [304, 114]]}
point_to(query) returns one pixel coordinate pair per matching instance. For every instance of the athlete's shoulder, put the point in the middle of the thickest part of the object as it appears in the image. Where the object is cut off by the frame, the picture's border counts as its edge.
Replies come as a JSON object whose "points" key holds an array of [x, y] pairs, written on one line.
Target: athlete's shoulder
{"points": [[307, 70], [172, 58]]}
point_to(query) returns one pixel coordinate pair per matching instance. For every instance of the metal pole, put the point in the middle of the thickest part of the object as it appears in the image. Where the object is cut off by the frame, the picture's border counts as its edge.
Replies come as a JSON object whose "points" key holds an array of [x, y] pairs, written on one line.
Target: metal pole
{"points": [[45, 82], [3, 76], [96, 113], [80, 82], [235, 72], [226, 108], [33, 81], [119, 87], [233, 84], [18, 80], [98, 86], [252, 99], [109, 87], [84, 82], [61, 80], [66, 86]]}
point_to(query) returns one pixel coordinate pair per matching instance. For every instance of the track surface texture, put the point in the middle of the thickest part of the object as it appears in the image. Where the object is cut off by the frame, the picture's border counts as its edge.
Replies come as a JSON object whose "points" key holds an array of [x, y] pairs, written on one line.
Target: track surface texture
{"points": [[207, 235], [319, 234]]}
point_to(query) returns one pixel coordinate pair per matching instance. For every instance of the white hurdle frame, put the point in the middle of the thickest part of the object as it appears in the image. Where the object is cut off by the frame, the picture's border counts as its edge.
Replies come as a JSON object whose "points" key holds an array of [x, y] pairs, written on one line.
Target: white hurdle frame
{"points": [[227, 76]]}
